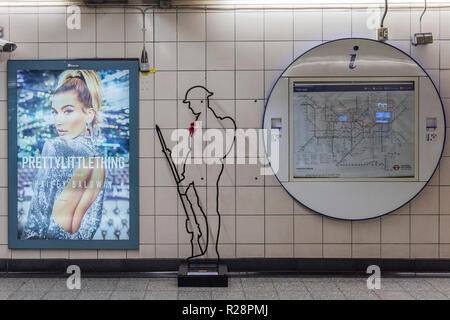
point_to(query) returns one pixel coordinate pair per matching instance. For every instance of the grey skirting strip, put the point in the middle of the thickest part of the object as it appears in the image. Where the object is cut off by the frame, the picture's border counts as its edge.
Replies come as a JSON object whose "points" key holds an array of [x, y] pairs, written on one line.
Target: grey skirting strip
{"points": [[253, 265]]}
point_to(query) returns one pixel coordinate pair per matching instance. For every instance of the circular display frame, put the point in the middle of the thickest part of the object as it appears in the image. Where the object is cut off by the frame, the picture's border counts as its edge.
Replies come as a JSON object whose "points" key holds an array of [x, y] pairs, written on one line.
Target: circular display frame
{"points": [[367, 61]]}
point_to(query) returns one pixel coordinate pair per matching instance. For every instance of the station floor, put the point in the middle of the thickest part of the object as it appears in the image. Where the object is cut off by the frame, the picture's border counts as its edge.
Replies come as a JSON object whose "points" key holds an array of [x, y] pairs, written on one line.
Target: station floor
{"points": [[240, 288]]}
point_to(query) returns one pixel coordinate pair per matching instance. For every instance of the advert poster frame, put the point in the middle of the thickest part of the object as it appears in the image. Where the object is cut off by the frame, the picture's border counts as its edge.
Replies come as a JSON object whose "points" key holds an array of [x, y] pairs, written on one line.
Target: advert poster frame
{"points": [[75, 64]]}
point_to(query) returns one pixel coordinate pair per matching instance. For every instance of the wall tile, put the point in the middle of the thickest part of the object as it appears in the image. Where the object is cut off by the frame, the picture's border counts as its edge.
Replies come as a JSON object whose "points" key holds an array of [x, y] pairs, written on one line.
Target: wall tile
{"points": [[279, 250], [278, 25], [221, 83], [191, 56], [250, 251], [110, 27], [146, 172], [249, 113], [308, 229], [248, 200], [146, 201], [166, 113], [188, 79], [52, 28], [336, 24], [133, 27], [279, 230], [166, 251], [424, 229], [395, 228], [249, 175], [146, 143], [23, 27], [220, 55], [146, 89], [337, 251], [307, 25], [146, 229], [398, 251], [278, 55], [424, 251], [163, 176], [81, 50], [445, 54], [25, 254], [249, 55], [444, 83], [300, 209], [165, 27], [112, 254], [54, 254], [4, 22], [250, 25], [220, 26], [191, 26], [366, 231], [444, 24], [365, 22], [444, 171], [87, 31], [227, 200], [300, 47], [226, 179], [134, 50], [146, 111], [110, 50], [3, 230], [398, 29], [249, 230], [165, 56], [404, 45], [249, 84], [308, 251], [83, 254], [145, 251], [165, 230], [444, 229], [222, 108], [336, 231], [278, 201], [427, 56], [166, 201], [227, 229], [3, 201], [366, 251], [3, 86], [52, 51], [427, 202], [165, 85]]}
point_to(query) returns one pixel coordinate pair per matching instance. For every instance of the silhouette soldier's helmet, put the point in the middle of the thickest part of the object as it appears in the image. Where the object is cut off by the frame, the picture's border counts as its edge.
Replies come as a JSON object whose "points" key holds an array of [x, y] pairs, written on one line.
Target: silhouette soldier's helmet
{"points": [[197, 93]]}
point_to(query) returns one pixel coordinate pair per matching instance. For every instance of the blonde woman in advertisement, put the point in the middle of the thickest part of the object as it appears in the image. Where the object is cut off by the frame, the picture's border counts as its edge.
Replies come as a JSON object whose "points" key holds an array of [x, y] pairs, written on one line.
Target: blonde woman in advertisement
{"points": [[67, 201]]}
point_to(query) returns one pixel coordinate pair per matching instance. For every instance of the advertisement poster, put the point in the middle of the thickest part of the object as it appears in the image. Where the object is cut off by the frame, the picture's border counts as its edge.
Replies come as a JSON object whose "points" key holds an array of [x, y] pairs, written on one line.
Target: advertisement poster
{"points": [[72, 156]]}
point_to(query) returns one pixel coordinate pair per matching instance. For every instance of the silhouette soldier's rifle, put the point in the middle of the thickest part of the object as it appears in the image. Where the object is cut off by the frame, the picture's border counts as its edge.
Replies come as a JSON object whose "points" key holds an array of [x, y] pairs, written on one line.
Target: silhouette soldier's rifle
{"points": [[193, 230]]}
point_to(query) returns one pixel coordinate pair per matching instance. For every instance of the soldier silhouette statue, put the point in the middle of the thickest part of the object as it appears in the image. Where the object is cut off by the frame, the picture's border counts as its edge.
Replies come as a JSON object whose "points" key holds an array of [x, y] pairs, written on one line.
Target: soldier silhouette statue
{"points": [[187, 180]]}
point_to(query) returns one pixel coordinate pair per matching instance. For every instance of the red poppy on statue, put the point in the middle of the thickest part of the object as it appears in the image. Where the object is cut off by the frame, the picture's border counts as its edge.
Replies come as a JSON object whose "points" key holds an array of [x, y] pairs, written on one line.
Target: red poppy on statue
{"points": [[192, 128]]}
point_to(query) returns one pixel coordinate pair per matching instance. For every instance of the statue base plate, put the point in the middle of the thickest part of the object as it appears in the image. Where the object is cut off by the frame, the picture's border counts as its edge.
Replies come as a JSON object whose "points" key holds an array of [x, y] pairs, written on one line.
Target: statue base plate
{"points": [[202, 275]]}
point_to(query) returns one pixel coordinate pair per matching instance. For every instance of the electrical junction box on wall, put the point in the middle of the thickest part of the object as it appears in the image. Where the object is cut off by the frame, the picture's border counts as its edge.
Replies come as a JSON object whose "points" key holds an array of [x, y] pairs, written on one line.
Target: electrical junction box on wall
{"points": [[360, 127]]}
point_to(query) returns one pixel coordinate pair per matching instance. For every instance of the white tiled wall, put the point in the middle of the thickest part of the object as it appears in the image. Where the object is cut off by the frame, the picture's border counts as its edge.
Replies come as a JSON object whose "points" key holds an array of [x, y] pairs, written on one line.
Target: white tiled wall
{"points": [[237, 54]]}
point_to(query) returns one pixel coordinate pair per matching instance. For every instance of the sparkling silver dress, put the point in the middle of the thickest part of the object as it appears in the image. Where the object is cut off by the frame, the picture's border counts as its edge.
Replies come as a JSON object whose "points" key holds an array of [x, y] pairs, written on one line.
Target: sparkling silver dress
{"points": [[50, 182]]}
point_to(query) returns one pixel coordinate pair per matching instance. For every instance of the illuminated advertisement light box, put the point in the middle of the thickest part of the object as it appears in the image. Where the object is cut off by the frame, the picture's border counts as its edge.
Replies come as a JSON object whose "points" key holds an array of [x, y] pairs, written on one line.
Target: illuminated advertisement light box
{"points": [[73, 153]]}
